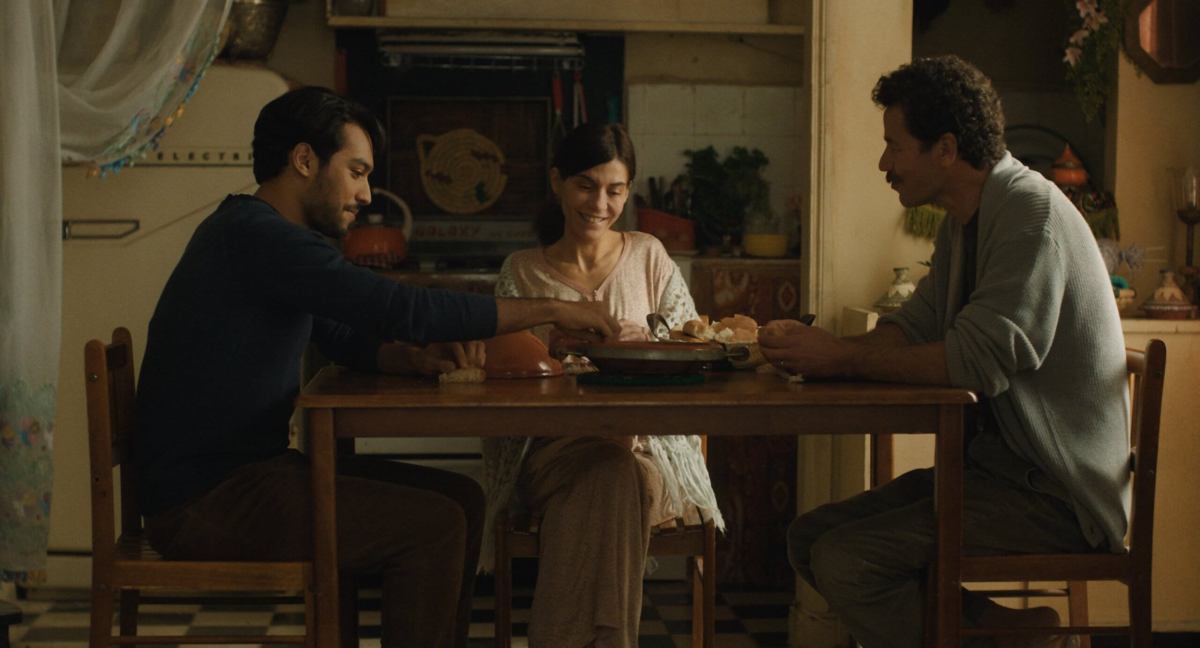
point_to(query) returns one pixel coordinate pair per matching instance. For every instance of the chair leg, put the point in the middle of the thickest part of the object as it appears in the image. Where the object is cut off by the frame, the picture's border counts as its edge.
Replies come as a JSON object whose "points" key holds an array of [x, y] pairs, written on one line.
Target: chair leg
{"points": [[708, 589], [696, 569], [310, 616], [1139, 613], [348, 611], [1077, 606], [129, 612], [102, 617], [503, 572]]}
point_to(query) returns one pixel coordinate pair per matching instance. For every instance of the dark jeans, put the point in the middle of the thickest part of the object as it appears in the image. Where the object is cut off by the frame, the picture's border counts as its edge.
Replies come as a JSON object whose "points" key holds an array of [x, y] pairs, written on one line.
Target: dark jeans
{"points": [[419, 527], [867, 555]]}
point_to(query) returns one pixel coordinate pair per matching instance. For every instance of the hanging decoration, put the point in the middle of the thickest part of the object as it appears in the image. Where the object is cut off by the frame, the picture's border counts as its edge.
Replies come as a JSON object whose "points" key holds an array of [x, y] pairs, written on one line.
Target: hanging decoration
{"points": [[1090, 53]]}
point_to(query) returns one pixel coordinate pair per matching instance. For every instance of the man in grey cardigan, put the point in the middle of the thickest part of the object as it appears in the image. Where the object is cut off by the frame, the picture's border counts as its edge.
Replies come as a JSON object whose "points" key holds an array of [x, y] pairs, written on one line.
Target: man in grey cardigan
{"points": [[1017, 306]]}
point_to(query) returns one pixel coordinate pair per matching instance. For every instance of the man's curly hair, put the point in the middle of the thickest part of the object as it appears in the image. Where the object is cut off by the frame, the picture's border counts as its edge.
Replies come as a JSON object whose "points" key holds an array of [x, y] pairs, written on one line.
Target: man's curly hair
{"points": [[945, 94]]}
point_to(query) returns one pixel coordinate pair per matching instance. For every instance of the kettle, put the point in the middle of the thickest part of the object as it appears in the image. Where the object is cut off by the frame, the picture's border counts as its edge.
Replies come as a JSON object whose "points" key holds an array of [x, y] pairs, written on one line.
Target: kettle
{"points": [[375, 244]]}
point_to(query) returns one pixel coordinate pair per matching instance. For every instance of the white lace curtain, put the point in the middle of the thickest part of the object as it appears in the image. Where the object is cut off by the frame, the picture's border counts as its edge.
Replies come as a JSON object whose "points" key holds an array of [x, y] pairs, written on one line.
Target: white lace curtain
{"points": [[89, 80]]}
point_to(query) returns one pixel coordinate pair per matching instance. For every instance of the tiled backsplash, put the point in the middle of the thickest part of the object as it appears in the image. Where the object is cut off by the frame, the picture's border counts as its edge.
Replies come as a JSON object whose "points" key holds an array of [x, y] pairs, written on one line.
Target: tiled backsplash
{"points": [[666, 119]]}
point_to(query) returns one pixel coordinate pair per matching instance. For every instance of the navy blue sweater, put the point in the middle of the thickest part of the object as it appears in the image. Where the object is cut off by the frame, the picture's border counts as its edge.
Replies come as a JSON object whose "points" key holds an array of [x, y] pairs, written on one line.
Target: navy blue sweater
{"points": [[222, 364]]}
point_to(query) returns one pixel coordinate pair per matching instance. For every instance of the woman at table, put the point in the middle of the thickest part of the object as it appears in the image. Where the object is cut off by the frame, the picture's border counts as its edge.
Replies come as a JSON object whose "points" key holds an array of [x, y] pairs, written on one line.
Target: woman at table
{"points": [[598, 497]]}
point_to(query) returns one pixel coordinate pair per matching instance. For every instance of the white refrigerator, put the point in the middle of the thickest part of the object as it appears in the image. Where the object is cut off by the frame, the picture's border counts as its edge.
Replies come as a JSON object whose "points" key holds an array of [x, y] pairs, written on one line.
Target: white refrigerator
{"points": [[110, 282]]}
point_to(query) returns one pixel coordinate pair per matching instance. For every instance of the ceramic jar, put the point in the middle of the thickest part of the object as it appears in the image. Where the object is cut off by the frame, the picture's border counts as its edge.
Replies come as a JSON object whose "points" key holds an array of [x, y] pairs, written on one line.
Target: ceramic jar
{"points": [[1169, 291], [898, 292]]}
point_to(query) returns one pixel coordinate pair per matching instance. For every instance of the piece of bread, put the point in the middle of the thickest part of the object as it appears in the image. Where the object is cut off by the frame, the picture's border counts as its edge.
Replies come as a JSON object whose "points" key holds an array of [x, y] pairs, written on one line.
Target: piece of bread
{"points": [[463, 375], [574, 365], [738, 329], [739, 321], [698, 328]]}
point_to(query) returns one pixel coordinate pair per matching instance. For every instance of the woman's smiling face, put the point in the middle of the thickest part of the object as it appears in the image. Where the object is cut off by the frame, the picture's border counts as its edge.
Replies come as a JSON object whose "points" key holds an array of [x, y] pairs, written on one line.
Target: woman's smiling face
{"points": [[592, 200]]}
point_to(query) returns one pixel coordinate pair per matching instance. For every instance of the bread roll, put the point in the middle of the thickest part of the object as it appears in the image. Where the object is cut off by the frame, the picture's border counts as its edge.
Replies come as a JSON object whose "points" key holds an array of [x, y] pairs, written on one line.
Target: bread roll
{"points": [[463, 375], [698, 329], [736, 329]]}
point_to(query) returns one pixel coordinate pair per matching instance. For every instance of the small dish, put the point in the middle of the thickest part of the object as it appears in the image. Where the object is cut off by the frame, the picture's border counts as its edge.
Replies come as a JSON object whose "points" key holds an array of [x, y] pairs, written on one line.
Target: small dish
{"points": [[1169, 310], [520, 354]]}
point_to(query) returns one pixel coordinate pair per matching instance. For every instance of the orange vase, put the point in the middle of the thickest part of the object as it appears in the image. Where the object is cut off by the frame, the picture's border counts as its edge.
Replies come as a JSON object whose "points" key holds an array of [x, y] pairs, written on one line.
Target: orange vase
{"points": [[1068, 170]]}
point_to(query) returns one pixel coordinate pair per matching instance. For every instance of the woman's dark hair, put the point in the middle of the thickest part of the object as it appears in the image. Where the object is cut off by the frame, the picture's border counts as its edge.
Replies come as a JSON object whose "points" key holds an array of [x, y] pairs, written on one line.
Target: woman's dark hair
{"points": [[312, 115], [587, 146], [945, 94]]}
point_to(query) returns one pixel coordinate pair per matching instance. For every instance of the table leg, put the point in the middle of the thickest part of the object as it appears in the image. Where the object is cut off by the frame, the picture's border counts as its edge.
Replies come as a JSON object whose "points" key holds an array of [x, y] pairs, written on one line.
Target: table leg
{"points": [[325, 568], [948, 502]]}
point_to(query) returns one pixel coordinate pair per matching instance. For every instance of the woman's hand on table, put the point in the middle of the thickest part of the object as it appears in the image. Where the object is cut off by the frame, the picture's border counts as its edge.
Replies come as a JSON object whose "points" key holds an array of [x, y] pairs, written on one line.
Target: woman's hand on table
{"points": [[631, 330]]}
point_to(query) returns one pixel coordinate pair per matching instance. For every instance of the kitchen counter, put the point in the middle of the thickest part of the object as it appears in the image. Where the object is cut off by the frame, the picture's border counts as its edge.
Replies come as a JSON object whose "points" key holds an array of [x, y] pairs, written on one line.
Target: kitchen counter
{"points": [[1144, 325]]}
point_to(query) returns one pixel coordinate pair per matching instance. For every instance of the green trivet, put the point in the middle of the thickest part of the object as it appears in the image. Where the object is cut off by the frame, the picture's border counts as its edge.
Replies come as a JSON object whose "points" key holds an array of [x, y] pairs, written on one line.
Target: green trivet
{"points": [[639, 380]]}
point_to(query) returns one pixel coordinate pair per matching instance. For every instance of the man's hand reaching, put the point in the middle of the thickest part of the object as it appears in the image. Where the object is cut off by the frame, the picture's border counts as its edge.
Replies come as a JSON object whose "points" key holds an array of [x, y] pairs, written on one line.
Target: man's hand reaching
{"points": [[431, 359]]}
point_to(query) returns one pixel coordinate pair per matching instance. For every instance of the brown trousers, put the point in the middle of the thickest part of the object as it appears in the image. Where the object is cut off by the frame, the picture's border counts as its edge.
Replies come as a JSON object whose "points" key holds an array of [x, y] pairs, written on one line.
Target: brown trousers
{"points": [[419, 527], [598, 501]]}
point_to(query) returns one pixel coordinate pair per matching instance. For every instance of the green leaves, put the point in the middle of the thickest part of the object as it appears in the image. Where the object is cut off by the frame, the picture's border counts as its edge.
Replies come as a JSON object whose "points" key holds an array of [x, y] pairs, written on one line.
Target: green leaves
{"points": [[723, 192], [1091, 49]]}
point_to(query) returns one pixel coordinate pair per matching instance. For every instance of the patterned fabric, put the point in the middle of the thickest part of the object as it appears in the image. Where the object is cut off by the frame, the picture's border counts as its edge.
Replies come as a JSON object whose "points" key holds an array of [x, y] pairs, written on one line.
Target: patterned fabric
{"points": [[125, 73], [30, 285], [645, 280], [26, 475], [93, 81]]}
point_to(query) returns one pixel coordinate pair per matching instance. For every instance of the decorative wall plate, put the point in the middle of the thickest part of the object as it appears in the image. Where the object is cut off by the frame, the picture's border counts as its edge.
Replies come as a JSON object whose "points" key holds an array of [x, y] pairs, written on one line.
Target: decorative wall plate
{"points": [[461, 170]]}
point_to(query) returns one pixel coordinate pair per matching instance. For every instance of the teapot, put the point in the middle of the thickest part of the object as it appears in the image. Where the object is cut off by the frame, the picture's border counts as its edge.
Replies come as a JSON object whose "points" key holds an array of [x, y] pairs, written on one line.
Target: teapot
{"points": [[375, 244]]}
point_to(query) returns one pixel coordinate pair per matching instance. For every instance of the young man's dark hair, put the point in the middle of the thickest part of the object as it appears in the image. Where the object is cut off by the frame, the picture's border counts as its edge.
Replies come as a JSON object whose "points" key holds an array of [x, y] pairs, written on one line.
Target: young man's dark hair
{"points": [[312, 115], [947, 95]]}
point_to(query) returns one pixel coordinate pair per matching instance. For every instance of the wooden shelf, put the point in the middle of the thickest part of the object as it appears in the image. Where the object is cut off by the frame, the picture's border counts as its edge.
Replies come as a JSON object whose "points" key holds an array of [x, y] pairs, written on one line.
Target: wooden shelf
{"points": [[535, 24]]}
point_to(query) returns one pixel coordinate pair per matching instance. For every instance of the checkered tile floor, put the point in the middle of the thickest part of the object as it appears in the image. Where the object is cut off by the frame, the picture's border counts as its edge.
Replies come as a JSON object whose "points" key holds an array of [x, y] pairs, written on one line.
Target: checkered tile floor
{"points": [[743, 619]]}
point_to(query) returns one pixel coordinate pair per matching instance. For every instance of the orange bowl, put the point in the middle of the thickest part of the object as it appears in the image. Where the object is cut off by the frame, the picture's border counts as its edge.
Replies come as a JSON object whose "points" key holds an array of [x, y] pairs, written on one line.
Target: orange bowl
{"points": [[519, 355]]}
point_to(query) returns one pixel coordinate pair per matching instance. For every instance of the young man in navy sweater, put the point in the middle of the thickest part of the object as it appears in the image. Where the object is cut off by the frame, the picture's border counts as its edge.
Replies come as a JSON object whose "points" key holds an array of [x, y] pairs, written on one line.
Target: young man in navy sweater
{"points": [[258, 281]]}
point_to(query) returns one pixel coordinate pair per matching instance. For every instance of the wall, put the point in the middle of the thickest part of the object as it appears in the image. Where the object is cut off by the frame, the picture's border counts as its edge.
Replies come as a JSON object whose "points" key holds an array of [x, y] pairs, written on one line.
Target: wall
{"points": [[691, 91], [666, 119], [304, 52], [1156, 128], [852, 232], [855, 217], [1030, 76]]}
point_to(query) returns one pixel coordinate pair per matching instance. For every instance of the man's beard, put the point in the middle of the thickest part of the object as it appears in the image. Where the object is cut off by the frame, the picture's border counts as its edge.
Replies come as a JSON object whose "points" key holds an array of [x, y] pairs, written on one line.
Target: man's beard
{"points": [[320, 214]]}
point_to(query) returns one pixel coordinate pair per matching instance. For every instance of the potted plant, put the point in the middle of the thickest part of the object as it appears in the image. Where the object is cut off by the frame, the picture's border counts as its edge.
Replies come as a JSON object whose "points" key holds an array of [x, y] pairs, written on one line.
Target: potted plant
{"points": [[1090, 52], [728, 198]]}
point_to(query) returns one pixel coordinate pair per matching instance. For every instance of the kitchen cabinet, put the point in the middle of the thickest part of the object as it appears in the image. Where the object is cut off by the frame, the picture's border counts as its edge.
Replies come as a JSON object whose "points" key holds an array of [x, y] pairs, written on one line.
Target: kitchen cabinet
{"points": [[764, 289], [761, 17]]}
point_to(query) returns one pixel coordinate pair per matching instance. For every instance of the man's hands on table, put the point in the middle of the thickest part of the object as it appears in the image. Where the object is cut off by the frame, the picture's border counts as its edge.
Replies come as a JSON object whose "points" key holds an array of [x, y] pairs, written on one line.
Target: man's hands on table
{"points": [[584, 319], [883, 354], [431, 359], [800, 349]]}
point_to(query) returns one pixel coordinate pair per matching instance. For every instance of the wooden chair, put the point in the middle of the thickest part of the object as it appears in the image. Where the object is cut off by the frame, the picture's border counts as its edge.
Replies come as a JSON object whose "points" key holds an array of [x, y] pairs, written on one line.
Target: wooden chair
{"points": [[1131, 567], [516, 537], [10, 615], [128, 565]]}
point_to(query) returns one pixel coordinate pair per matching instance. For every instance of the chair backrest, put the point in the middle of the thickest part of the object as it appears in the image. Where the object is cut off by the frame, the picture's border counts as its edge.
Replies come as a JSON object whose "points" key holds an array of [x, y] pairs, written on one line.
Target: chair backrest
{"points": [[1146, 371], [109, 376]]}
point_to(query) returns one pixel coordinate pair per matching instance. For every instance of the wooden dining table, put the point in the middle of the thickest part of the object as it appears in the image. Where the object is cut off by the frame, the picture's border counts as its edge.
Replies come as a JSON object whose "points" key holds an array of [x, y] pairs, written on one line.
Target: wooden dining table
{"points": [[343, 404]]}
